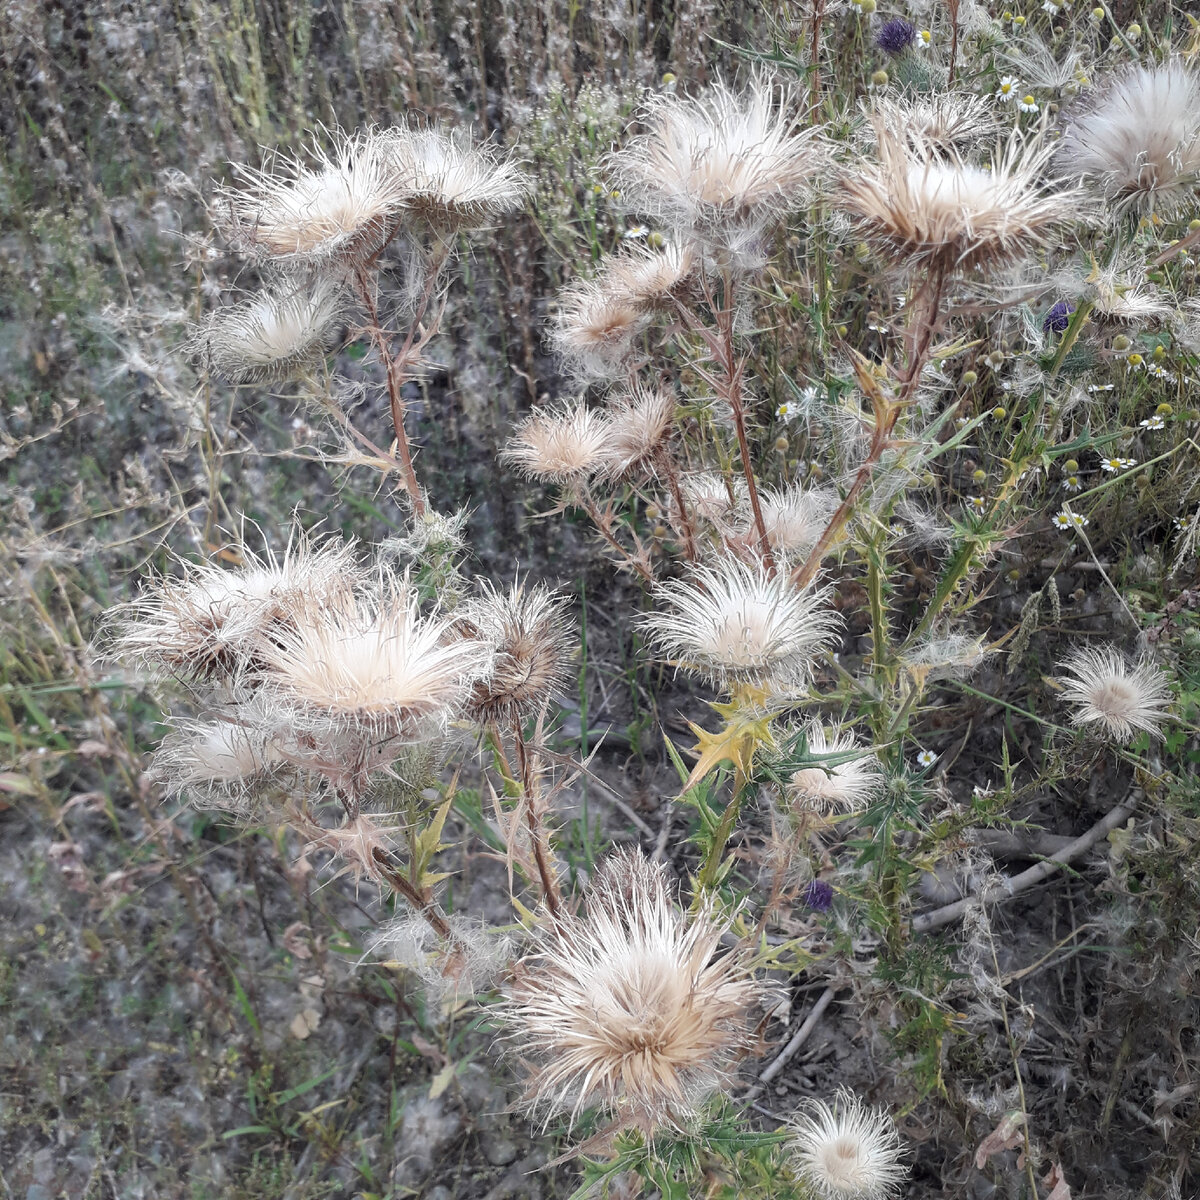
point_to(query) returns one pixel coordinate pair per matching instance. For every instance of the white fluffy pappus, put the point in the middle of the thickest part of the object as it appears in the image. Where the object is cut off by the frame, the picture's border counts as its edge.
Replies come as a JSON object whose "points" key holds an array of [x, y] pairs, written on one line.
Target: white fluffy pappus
{"points": [[632, 1007], [1138, 138], [281, 333], [847, 1151], [734, 623], [1116, 697], [373, 665], [720, 162], [836, 786], [336, 212], [564, 444]]}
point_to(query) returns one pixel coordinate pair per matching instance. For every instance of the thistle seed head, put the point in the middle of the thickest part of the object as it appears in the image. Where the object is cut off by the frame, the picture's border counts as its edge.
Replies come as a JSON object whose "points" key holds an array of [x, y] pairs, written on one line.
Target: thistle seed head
{"points": [[847, 1151], [1138, 140], [282, 333], [630, 1007], [839, 786], [734, 623], [1113, 695], [566, 444]]}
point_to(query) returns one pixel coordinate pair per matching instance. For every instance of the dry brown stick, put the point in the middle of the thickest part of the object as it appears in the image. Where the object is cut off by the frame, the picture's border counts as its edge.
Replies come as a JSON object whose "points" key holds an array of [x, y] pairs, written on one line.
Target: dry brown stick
{"points": [[798, 1039], [1016, 884]]}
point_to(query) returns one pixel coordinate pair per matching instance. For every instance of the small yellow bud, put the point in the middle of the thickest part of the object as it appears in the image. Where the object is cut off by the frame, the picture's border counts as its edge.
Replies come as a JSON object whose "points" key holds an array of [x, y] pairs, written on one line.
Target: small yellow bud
{"points": [[668, 78], [842, 330], [1160, 352], [655, 240], [996, 359], [1134, 31], [866, 6], [1135, 360], [1014, 575], [879, 78], [979, 476], [781, 445], [1193, 224], [1165, 410], [659, 532], [1098, 13], [1019, 22], [653, 512], [1070, 466], [969, 379], [999, 413], [1121, 343]]}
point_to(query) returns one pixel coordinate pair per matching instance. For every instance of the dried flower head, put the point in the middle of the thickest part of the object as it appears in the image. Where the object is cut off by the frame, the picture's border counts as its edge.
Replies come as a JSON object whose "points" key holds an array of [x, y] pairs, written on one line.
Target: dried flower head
{"points": [[339, 211], [735, 623], [534, 641], [839, 786], [641, 422], [721, 161], [595, 327], [945, 656], [565, 444], [650, 278], [214, 622], [847, 1151], [942, 122], [218, 763], [918, 206], [631, 1007], [795, 517], [1114, 695], [373, 665], [282, 333], [1138, 140], [708, 497], [451, 183]]}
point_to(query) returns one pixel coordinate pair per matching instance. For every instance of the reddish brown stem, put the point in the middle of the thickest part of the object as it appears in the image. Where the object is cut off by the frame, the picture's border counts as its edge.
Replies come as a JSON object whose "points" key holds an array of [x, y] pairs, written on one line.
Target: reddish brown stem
{"points": [[603, 527], [395, 382], [732, 386], [685, 517], [923, 314], [537, 832], [425, 905]]}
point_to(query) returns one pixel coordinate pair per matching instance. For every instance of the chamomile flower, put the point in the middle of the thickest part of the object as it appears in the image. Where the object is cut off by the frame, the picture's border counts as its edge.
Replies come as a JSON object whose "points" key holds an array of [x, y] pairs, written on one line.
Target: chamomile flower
{"points": [[1066, 519], [924, 39], [1072, 484], [636, 232], [1154, 422], [1008, 89], [1158, 371], [976, 504], [1028, 104], [926, 759], [787, 410], [1114, 465]]}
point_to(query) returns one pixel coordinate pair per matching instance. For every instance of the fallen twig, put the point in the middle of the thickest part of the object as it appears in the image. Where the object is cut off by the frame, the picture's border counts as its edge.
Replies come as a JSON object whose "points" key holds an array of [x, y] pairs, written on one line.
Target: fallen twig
{"points": [[798, 1040], [1026, 879]]}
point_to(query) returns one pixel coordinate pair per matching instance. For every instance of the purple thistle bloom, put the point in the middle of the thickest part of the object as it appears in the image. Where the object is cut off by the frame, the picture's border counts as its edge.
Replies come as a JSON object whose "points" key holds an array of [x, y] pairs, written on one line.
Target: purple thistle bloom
{"points": [[895, 36], [1058, 318], [819, 895]]}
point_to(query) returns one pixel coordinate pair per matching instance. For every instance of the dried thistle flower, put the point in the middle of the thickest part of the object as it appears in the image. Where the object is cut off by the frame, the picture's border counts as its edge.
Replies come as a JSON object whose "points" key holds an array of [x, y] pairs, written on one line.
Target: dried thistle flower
{"points": [[219, 763], [534, 641], [735, 623], [451, 183], [1138, 140], [944, 122], [372, 666], [945, 656], [840, 786], [917, 206], [339, 212], [281, 333], [564, 444], [213, 622], [641, 422], [650, 278], [708, 497], [847, 1151], [630, 1007], [795, 516], [1109, 692], [595, 327], [720, 162]]}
